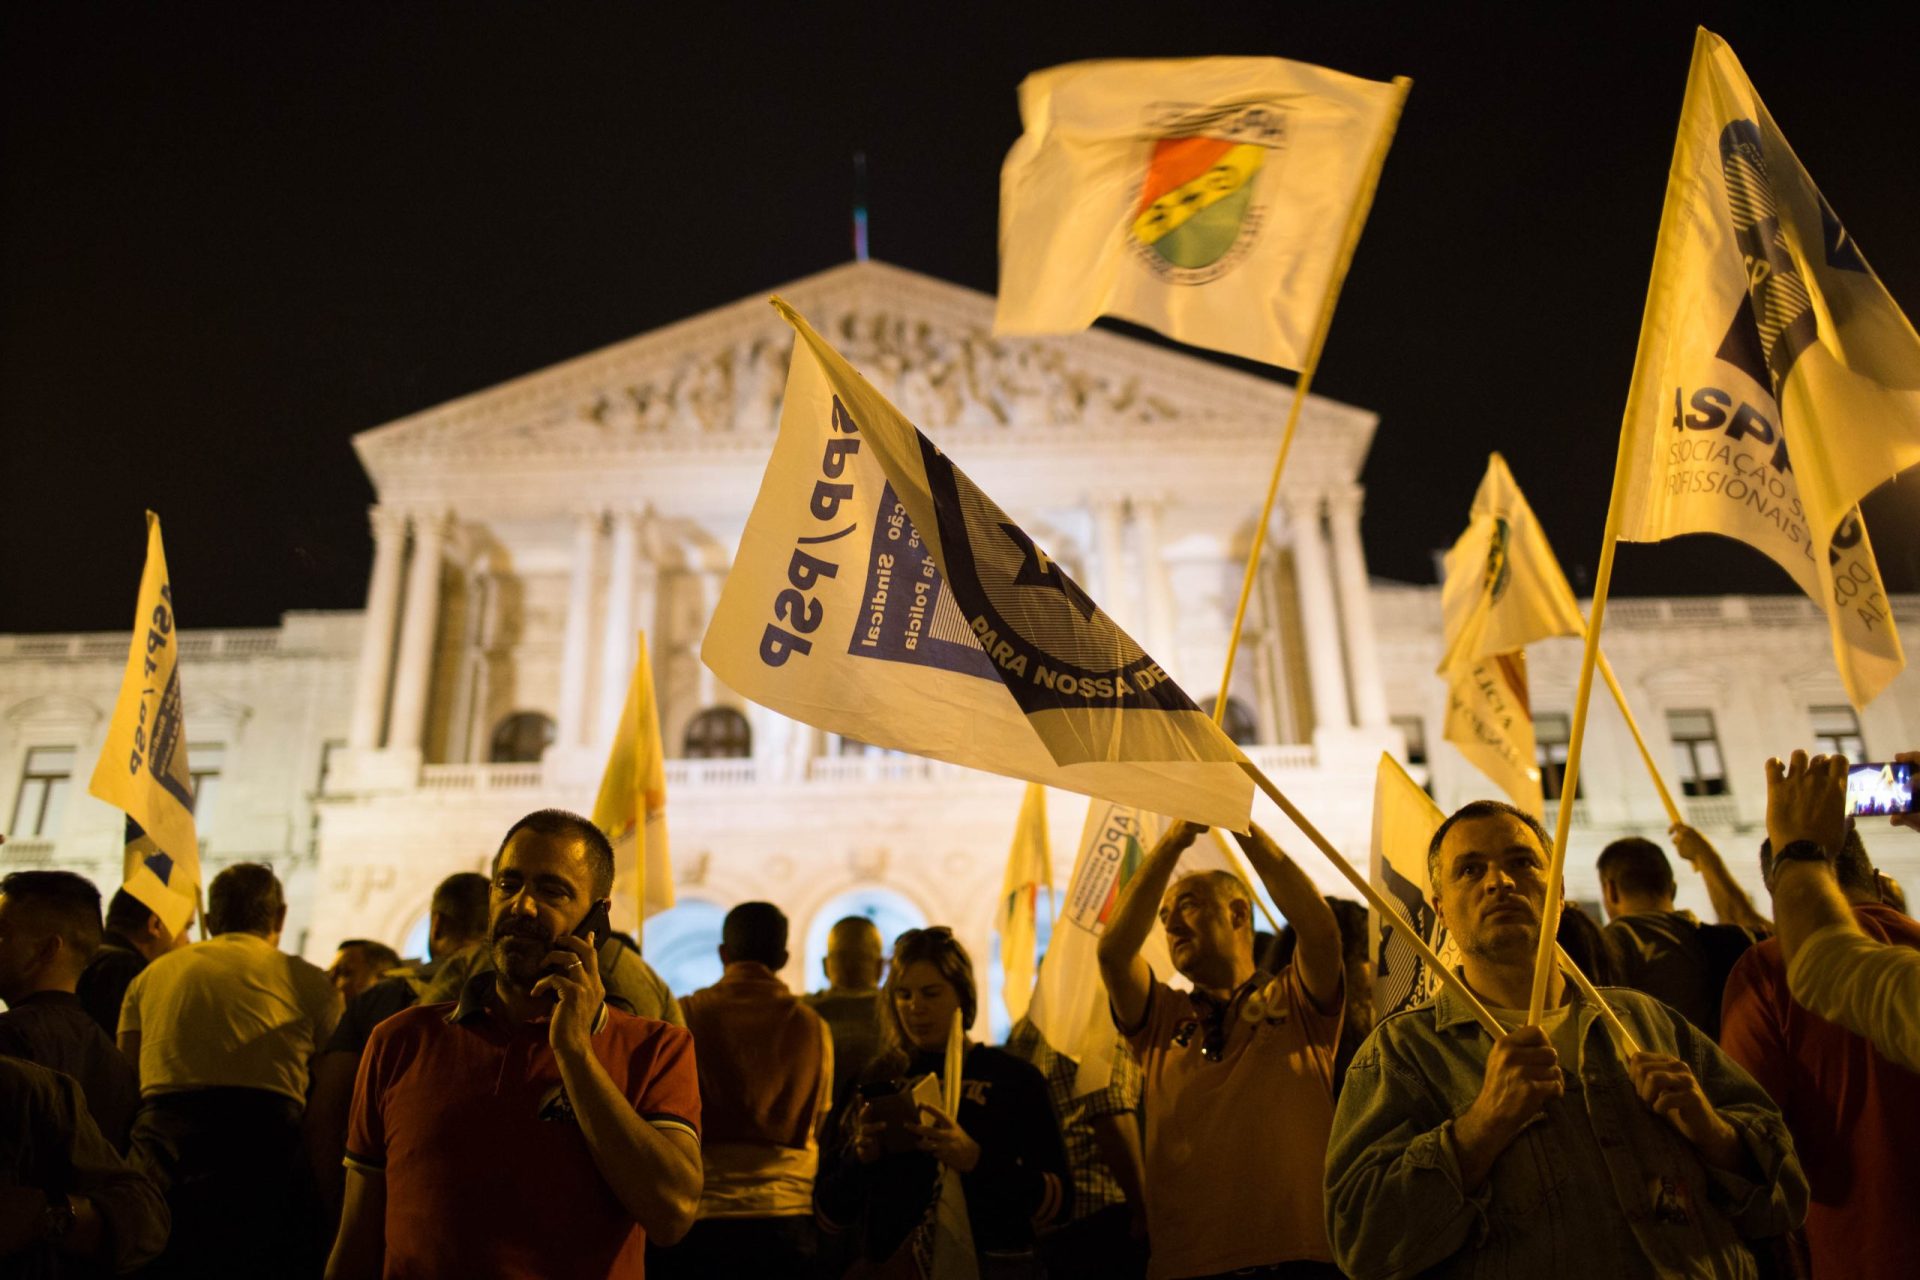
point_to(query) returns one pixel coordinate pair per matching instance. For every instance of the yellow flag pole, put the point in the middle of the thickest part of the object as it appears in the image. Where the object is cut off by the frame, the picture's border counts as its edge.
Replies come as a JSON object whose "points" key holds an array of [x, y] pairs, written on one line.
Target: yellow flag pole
{"points": [[1356, 222], [1633, 727], [1607, 1014], [1389, 914]]}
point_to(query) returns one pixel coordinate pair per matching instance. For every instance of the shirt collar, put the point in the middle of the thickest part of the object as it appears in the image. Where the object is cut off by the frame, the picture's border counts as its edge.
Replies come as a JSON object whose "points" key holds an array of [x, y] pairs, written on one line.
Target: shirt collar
{"points": [[744, 971], [476, 1002], [1450, 1008]]}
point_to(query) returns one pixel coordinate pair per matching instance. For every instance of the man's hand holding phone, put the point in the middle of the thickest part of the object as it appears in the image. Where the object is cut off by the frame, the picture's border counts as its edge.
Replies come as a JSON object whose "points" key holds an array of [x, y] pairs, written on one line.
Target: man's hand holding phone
{"points": [[574, 982]]}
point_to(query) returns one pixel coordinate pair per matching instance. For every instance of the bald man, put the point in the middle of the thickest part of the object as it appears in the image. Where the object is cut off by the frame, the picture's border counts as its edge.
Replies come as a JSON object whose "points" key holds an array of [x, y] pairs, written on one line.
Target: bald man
{"points": [[851, 1002]]}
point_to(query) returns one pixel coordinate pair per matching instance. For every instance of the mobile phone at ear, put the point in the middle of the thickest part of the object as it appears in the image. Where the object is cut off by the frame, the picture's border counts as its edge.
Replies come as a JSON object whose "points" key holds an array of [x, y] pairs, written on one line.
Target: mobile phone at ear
{"points": [[1878, 790], [598, 923]]}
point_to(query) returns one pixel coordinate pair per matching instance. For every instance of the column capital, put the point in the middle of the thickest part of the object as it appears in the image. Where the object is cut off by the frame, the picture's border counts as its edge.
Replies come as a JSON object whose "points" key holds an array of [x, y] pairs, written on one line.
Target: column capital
{"points": [[1305, 504], [1347, 502], [386, 522], [431, 522]]}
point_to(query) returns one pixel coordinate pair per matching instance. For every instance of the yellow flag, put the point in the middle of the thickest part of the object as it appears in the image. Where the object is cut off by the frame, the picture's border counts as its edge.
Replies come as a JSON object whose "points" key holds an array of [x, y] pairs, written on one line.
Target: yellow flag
{"points": [[142, 770], [1777, 383], [879, 594], [1404, 820], [1029, 867], [632, 805], [1504, 590], [1208, 198]]}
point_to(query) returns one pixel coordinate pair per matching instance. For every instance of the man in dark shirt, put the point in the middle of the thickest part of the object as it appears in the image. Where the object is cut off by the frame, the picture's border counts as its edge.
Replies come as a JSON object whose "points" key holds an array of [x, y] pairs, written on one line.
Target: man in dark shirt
{"points": [[134, 938], [49, 926], [851, 1003], [1664, 952]]}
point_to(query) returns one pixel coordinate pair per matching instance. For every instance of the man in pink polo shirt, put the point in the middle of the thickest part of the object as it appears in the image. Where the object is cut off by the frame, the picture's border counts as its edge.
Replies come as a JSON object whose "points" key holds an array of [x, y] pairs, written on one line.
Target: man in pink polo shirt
{"points": [[1239, 1073], [525, 1130]]}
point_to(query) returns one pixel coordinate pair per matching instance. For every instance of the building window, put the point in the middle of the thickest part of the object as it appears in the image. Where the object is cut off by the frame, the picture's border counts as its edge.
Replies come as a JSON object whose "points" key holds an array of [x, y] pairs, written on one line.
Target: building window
{"points": [[521, 738], [1836, 731], [1696, 753], [718, 733], [1238, 723], [205, 760], [1552, 731], [1414, 730], [683, 945], [43, 793]]}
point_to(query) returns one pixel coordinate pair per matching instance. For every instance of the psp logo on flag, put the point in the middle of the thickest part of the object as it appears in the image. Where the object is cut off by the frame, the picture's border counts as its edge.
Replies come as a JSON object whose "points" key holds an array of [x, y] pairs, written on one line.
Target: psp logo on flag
{"points": [[1198, 213]]}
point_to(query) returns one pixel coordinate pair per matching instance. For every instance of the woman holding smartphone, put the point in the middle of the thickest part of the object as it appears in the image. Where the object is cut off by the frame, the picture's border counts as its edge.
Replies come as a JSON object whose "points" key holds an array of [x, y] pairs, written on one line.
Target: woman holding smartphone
{"points": [[881, 1179]]}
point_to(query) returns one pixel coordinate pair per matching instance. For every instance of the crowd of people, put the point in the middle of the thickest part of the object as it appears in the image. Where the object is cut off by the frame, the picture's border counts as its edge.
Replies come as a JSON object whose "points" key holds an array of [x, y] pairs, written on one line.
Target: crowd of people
{"points": [[1741, 1098]]}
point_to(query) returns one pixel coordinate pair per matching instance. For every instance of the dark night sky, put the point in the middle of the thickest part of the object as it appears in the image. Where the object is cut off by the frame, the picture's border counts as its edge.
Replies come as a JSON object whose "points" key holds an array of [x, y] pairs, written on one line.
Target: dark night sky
{"points": [[231, 236]]}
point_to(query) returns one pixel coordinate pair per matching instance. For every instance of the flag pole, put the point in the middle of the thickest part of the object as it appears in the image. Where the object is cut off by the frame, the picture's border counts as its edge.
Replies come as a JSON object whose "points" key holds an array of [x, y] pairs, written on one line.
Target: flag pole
{"points": [[1389, 914], [1356, 222], [1587, 989], [1633, 727]]}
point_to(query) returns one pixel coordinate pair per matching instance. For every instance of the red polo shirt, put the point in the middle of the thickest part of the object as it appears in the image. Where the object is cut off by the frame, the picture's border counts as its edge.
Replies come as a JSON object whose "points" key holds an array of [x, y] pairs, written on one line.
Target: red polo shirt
{"points": [[487, 1171]]}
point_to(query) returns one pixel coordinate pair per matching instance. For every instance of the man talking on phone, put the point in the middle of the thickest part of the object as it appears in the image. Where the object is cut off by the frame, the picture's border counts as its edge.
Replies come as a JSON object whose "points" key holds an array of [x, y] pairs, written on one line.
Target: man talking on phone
{"points": [[525, 1129]]}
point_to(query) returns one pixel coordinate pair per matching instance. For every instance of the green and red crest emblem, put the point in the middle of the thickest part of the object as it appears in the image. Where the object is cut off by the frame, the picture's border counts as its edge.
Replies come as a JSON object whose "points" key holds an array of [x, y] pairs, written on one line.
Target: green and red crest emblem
{"points": [[1199, 208]]}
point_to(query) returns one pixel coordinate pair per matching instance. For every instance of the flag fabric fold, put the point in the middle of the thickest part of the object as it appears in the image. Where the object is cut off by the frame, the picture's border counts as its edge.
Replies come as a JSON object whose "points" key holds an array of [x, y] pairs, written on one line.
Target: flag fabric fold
{"points": [[1016, 916], [879, 594], [631, 806], [142, 769], [1404, 820], [1777, 383], [1207, 198], [1504, 590]]}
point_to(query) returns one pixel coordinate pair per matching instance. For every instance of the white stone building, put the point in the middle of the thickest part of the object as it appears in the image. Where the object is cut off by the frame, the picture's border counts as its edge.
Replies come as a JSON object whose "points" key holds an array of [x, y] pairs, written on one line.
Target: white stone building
{"points": [[523, 535]]}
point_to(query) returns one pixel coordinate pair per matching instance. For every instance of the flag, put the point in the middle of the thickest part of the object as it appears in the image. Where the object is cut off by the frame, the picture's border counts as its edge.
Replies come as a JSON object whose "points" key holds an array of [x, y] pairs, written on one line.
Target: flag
{"points": [[878, 594], [1210, 198], [1776, 383], [142, 770], [632, 804], [1504, 590], [1070, 999], [1029, 866], [1404, 820]]}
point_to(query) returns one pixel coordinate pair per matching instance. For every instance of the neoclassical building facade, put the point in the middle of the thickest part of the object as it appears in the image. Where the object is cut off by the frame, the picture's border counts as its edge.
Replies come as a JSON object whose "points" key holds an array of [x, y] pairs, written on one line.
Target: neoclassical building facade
{"points": [[524, 534]]}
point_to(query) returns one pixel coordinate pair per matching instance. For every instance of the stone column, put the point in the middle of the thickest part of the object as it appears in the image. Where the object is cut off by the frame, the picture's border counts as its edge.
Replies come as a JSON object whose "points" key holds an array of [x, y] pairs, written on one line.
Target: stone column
{"points": [[616, 642], [711, 582], [1319, 615], [376, 641], [1159, 639], [1110, 534], [1356, 609], [417, 626], [570, 729]]}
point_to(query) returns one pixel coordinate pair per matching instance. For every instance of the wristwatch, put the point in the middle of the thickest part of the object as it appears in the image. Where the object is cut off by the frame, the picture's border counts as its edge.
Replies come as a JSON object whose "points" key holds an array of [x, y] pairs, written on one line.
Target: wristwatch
{"points": [[57, 1218], [1800, 851]]}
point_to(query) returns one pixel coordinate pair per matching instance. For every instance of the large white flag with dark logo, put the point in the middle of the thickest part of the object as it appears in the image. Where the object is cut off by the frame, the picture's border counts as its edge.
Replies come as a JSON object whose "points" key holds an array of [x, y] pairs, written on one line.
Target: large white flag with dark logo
{"points": [[1777, 383], [1504, 590], [1404, 820], [878, 593], [1209, 198]]}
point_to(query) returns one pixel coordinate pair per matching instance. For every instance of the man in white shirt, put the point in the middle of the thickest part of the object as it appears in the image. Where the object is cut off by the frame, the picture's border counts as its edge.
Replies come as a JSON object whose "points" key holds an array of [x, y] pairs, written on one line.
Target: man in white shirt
{"points": [[221, 1034]]}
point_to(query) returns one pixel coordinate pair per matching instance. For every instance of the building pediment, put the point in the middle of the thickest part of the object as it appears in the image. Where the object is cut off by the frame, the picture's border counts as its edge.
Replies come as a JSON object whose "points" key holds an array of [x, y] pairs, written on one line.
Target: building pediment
{"points": [[714, 382]]}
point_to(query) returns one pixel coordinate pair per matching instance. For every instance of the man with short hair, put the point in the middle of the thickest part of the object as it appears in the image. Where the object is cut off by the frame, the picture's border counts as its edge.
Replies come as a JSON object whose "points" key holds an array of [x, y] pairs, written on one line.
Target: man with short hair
{"points": [[1662, 951], [1854, 1113], [1239, 1074], [49, 927], [358, 963], [1550, 1150], [851, 1003], [526, 1129], [134, 937], [766, 1083], [222, 1033]]}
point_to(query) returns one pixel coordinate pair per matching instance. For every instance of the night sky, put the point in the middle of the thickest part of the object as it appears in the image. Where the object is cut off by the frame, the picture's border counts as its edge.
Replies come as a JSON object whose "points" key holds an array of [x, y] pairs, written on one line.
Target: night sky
{"points": [[233, 235]]}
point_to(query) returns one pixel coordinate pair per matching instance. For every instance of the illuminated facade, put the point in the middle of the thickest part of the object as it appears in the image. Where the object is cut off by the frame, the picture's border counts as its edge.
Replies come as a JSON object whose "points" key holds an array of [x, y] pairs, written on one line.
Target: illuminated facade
{"points": [[525, 533]]}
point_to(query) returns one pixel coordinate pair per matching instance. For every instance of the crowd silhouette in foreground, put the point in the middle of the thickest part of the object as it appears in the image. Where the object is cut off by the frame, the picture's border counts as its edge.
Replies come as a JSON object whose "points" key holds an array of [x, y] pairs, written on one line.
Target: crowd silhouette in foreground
{"points": [[531, 1101]]}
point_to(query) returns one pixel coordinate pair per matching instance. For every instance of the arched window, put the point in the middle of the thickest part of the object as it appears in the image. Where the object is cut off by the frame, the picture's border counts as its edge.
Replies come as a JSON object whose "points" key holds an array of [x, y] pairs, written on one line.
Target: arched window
{"points": [[718, 733], [1238, 724], [521, 738], [890, 912], [683, 945]]}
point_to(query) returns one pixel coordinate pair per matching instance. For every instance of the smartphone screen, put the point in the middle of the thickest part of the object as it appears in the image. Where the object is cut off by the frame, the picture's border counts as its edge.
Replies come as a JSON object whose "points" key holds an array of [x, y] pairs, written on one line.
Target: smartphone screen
{"points": [[1875, 790]]}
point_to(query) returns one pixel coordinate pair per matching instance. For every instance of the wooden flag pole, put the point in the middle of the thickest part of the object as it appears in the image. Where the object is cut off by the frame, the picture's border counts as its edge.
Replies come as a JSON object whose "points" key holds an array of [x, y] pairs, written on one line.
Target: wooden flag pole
{"points": [[1356, 222], [1389, 914], [1633, 727]]}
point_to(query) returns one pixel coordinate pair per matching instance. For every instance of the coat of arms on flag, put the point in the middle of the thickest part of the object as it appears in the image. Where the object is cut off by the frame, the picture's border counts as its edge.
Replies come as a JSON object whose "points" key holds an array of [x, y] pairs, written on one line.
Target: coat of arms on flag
{"points": [[1198, 205]]}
